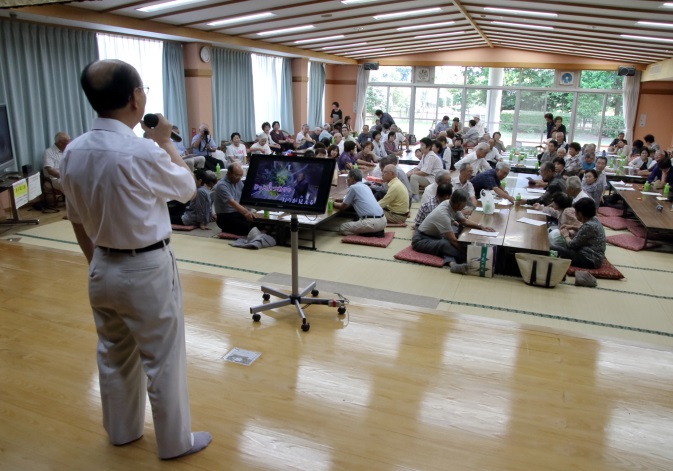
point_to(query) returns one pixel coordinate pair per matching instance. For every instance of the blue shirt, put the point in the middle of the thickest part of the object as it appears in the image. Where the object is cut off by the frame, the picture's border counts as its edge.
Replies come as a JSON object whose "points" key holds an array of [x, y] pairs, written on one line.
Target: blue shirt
{"points": [[362, 199], [346, 158], [486, 180], [199, 146], [586, 166]]}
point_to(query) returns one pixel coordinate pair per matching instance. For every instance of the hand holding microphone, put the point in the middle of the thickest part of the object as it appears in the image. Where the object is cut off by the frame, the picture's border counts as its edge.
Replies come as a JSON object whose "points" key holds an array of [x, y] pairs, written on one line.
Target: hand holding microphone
{"points": [[152, 121]]}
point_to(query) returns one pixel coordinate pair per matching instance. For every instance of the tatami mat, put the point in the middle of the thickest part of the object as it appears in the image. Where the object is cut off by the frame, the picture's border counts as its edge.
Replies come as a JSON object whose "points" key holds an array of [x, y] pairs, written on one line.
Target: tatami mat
{"points": [[639, 308]]}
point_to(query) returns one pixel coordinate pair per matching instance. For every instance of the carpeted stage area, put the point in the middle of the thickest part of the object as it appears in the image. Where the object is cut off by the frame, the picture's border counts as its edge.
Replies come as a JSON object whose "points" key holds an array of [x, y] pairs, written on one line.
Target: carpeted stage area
{"points": [[639, 308]]}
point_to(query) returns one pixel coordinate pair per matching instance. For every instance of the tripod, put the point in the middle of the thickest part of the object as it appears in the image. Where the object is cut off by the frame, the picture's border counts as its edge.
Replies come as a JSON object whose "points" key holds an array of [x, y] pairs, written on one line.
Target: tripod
{"points": [[296, 297]]}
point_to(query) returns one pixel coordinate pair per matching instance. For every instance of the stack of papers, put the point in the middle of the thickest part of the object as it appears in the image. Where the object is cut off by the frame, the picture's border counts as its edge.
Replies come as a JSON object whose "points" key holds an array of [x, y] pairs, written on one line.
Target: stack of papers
{"points": [[535, 211], [484, 233], [650, 193], [481, 210], [622, 184]]}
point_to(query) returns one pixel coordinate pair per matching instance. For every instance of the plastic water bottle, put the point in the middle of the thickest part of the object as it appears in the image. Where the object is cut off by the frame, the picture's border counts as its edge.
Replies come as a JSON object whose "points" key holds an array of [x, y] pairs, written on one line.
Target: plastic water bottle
{"points": [[217, 170], [667, 189], [355, 166], [330, 205]]}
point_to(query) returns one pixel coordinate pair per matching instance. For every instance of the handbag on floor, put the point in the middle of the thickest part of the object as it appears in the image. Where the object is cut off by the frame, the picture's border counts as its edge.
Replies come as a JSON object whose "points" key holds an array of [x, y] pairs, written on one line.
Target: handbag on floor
{"points": [[542, 270]]}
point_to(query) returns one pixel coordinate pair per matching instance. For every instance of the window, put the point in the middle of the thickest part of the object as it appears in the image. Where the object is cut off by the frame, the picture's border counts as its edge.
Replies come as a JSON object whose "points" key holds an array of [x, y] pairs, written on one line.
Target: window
{"points": [[266, 81], [601, 79], [476, 75], [146, 55], [391, 74], [540, 78], [450, 75]]}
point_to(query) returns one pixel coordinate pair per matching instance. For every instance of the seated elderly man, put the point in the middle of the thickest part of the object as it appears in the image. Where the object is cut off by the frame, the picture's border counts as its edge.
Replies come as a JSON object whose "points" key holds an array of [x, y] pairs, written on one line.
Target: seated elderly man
{"points": [[555, 184], [325, 133], [477, 158], [395, 203], [574, 188], [261, 146], [380, 189], [370, 218], [431, 190], [436, 235], [471, 137], [462, 182], [443, 193], [491, 179], [443, 125], [550, 153], [493, 155], [53, 155], [231, 216], [304, 139], [424, 173]]}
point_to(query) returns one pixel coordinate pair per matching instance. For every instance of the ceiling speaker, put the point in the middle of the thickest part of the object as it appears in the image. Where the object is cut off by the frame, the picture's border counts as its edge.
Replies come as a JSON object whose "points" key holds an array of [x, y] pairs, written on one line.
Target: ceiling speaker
{"points": [[626, 71], [371, 66]]}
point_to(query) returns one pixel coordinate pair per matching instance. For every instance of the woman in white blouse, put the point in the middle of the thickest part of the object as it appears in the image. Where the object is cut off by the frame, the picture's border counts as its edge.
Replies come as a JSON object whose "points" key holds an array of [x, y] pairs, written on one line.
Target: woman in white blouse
{"points": [[379, 150]]}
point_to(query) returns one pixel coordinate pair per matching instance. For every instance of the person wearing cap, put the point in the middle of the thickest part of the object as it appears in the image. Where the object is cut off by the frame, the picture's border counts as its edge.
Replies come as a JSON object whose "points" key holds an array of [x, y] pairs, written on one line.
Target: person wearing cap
{"points": [[480, 125], [443, 125]]}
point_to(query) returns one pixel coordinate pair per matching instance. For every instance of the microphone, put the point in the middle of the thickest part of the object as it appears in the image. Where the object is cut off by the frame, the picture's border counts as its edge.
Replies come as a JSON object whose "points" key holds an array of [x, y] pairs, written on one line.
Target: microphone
{"points": [[151, 120]]}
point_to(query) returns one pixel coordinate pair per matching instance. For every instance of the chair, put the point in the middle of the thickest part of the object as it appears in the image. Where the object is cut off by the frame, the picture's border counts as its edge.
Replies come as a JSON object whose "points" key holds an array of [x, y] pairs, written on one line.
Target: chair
{"points": [[48, 189]]}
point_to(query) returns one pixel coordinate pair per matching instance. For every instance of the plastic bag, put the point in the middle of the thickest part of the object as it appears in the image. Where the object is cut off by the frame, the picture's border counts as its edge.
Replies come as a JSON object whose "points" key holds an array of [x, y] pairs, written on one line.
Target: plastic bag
{"points": [[487, 202]]}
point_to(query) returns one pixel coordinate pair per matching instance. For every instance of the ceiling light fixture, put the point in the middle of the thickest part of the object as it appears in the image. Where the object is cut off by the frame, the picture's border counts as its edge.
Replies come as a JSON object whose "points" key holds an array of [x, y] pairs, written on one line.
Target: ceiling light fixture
{"points": [[647, 38], [667, 5], [425, 36], [285, 30], [315, 40], [365, 51], [344, 46], [521, 12], [426, 26], [351, 2], [657, 25], [521, 25], [166, 5], [407, 13], [241, 19]]}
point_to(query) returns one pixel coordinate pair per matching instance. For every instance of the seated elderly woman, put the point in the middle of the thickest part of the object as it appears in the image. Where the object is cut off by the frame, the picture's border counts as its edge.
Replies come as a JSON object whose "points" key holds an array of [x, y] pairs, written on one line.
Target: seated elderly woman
{"points": [[592, 187], [563, 214], [661, 174], [587, 248]]}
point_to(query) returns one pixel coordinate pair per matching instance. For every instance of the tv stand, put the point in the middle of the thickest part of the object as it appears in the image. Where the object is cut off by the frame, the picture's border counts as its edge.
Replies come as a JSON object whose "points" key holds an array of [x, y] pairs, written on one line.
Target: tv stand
{"points": [[296, 297]]}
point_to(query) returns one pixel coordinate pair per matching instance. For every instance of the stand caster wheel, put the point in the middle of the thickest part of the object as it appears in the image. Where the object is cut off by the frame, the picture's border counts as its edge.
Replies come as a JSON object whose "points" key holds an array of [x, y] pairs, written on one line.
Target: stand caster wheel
{"points": [[266, 296], [305, 327], [314, 293], [341, 310], [256, 317]]}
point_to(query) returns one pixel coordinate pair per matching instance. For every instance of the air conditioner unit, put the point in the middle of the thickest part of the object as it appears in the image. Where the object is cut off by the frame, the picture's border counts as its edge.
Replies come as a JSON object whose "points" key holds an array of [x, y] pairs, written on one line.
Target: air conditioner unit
{"points": [[626, 71], [371, 66]]}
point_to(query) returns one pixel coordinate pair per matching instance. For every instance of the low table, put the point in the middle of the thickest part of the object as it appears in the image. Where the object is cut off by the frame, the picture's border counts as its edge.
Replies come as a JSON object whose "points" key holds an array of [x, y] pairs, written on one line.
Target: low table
{"points": [[644, 208]]}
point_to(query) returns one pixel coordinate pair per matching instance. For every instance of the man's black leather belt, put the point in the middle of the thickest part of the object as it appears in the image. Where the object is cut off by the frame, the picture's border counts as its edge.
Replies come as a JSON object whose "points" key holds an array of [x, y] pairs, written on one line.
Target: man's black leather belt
{"points": [[159, 245], [371, 217]]}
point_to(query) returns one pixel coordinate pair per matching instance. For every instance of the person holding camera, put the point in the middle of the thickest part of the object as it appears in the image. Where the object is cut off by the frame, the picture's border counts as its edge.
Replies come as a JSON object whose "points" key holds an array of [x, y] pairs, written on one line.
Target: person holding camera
{"points": [[204, 144]]}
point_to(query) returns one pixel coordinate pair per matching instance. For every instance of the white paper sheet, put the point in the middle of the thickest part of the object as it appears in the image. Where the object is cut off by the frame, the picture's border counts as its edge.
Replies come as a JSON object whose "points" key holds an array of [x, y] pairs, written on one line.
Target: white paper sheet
{"points": [[535, 190], [622, 184], [503, 202], [532, 222], [661, 198], [481, 210], [535, 211], [484, 233], [650, 193], [626, 188]]}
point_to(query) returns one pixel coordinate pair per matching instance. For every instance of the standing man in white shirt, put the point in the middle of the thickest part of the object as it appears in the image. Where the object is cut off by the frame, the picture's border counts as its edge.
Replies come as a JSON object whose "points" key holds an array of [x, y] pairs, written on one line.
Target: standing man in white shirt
{"points": [[123, 227], [477, 158], [51, 161]]}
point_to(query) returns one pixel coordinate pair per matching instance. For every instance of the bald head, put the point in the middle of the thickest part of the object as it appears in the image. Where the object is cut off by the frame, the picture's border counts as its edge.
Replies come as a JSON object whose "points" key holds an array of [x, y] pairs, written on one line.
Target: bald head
{"points": [[110, 85], [61, 140], [389, 172]]}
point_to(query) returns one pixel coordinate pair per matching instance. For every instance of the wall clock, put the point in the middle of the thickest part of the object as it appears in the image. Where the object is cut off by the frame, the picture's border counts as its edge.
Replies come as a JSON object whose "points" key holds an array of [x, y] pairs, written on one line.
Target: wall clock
{"points": [[204, 54]]}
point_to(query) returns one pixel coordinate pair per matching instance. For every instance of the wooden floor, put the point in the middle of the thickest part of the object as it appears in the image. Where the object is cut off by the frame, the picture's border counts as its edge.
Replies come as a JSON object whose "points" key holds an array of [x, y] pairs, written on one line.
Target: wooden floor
{"points": [[383, 388]]}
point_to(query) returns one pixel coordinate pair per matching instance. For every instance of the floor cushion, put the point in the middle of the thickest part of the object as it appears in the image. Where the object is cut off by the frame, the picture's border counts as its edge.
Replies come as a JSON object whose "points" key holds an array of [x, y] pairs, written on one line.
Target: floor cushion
{"points": [[228, 235], [610, 212], [403, 224], [410, 255], [627, 241], [607, 271], [371, 241], [613, 222], [636, 228], [178, 227]]}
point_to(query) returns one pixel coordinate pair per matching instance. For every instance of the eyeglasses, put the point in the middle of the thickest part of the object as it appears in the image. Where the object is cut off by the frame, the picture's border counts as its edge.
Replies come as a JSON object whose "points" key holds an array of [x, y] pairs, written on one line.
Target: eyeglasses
{"points": [[145, 89]]}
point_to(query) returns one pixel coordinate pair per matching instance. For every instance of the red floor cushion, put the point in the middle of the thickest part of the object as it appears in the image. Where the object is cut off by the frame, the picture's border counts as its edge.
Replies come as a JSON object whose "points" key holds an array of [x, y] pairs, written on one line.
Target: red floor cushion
{"points": [[607, 271], [403, 224], [627, 241], [636, 228], [178, 227], [613, 222], [610, 212], [228, 235], [371, 241], [410, 255]]}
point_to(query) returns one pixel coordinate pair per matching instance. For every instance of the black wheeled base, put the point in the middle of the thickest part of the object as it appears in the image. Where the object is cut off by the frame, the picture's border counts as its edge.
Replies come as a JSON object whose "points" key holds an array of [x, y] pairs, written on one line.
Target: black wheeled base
{"points": [[296, 298]]}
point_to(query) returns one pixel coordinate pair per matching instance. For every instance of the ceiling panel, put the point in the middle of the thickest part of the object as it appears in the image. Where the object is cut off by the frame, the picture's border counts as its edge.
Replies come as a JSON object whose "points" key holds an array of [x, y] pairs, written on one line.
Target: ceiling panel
{"points": [[592, 28]]}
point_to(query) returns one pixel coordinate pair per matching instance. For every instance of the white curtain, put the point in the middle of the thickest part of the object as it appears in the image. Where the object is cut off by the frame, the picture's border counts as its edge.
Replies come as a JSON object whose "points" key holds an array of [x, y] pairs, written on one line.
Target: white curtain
{"points": [[316, 94], [146, 55], [266, 82], [360, 97], [631, 94]]}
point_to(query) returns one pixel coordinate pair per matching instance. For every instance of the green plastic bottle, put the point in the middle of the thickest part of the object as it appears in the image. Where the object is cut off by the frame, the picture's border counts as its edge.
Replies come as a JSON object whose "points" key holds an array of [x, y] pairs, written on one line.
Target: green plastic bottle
{"points": [[217, 170]]}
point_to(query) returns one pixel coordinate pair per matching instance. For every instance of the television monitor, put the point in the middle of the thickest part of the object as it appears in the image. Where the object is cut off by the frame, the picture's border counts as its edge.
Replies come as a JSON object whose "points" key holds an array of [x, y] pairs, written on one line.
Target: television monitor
{"points": [[6, 152], [291, 184]]}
